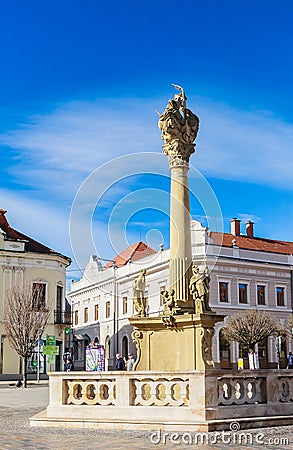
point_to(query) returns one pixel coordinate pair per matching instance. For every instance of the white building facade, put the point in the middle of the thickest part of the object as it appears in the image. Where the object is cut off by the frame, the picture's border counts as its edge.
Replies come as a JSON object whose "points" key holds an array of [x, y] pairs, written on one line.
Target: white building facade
{"points": [[247, 272]]}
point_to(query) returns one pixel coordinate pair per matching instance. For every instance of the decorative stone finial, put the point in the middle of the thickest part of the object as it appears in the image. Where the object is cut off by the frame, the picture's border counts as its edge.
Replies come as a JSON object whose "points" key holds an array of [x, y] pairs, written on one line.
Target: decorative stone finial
{"points": [[179, 129]]}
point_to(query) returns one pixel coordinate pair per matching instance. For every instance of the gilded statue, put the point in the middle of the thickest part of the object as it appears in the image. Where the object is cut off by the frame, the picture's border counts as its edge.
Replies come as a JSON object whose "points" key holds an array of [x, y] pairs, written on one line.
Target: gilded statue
{"points": [[179, 126], [138, 294], [199, 287]]}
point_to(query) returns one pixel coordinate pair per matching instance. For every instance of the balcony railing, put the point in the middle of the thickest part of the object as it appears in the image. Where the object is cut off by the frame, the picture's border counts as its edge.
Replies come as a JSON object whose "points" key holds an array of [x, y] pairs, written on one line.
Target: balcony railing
{"points": [[62, 317]]}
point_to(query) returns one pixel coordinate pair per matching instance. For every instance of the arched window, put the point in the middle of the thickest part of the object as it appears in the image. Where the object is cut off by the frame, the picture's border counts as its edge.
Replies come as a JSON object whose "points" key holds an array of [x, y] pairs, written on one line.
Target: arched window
{"points": [[107, 347], [125, 346]]}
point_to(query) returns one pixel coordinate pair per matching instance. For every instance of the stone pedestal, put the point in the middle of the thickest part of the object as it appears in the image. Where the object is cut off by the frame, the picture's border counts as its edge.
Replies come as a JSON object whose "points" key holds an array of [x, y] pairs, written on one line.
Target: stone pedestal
{"points": [[181, 342]]}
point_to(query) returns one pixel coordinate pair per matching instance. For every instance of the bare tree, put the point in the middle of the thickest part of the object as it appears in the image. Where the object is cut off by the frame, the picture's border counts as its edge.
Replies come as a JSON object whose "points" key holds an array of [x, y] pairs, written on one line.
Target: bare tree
{"points": [[250, 327], [25, 317], [289, 326]]}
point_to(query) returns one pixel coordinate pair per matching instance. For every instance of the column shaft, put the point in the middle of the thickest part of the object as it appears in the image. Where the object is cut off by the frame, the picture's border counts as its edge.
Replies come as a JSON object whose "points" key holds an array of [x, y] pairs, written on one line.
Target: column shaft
{"points": [[180, 239]]}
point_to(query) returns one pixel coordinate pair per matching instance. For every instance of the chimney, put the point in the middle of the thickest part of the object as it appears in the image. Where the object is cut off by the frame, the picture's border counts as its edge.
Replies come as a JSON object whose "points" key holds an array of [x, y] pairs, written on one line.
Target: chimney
{"points": [[249, 229], [235, 226]]}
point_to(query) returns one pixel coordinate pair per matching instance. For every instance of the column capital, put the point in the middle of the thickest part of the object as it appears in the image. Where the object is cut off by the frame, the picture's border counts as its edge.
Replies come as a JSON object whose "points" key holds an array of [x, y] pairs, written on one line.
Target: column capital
{"points": [[178, 153]]}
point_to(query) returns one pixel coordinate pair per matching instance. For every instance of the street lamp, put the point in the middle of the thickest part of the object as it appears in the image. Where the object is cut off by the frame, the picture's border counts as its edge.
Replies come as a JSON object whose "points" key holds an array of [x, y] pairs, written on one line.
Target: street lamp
{"points": [[278, 348]]}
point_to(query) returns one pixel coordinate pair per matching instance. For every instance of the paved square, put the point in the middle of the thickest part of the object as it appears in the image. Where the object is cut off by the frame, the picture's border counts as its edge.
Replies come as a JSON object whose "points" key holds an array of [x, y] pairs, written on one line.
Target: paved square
{"points": [[18, 405]]}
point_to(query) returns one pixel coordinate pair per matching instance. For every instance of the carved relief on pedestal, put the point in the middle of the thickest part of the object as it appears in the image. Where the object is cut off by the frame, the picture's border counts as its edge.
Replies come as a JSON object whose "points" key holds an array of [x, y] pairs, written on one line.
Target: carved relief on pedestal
{"points": [[136, 338], [206, 346]]}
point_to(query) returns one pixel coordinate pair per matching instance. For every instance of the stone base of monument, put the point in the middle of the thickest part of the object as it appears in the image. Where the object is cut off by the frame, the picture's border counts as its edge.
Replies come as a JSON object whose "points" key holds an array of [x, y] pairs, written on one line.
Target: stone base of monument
{"points": [[183, 401], [180, 342]]}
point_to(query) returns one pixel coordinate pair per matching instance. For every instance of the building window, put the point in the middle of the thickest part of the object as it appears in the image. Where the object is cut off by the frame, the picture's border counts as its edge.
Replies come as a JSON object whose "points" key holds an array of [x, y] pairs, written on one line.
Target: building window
{"points": [[162, 289], [223, 289], [124, 305], [243, 351], [280, 296], [107, 309], [39, 295], [96, 312], [75, 317], [242, 293], [224, 347], [261, 295], [59, 296], [262, 349], [86, 315]]}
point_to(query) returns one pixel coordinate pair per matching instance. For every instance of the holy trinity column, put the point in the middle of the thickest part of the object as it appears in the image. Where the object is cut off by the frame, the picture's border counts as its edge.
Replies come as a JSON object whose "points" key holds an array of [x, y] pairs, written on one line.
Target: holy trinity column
{"points": [[179, 128]]}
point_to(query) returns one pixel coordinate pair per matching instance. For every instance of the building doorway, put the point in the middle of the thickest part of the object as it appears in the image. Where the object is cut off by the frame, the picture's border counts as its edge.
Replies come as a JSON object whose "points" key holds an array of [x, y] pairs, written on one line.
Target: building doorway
{"points": [[262, 348], [225, 359], [107, 347], [283, 353], [125, 346]]}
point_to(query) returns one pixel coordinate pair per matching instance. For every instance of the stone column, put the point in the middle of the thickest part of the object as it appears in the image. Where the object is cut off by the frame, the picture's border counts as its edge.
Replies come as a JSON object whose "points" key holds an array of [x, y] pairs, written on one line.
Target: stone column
{"points": [[179, 127], [180, 237]]}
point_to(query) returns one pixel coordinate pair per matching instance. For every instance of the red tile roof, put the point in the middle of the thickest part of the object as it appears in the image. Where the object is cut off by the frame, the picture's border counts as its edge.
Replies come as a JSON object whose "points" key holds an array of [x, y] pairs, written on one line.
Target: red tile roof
{"points": [[134, 252], [30, 244], [255, 243]]}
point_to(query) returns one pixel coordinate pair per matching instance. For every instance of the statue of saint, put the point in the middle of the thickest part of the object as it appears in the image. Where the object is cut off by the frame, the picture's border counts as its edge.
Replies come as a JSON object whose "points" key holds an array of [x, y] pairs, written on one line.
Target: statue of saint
{"points": [[199, 286], [138, 294], [168, 302], [178, 122]]}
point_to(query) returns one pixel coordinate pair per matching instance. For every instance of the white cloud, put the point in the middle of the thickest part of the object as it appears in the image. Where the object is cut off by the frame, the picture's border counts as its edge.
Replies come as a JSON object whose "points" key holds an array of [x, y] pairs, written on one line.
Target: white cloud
{"points": [[251, 146], [58, 150], [80, 136], [45, 223], [248, 217]]}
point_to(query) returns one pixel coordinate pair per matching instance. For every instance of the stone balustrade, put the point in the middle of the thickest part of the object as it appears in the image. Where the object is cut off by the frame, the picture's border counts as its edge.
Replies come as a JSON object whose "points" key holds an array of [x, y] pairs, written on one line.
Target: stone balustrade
{"points": [[241, 391], [195, 400]]}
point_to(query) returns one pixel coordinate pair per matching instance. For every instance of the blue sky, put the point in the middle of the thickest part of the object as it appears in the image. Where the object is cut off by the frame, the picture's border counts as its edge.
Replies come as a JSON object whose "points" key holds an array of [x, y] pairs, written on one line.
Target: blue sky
{"points": [[79, 83]]}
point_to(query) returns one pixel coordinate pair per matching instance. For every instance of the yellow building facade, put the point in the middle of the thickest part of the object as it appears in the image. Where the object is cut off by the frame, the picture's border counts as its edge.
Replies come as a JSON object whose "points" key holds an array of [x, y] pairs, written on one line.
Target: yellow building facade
{"points": [[24, 261]]}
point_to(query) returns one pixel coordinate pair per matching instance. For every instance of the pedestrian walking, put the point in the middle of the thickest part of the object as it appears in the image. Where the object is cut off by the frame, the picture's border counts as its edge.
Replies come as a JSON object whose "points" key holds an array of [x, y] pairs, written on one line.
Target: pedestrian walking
{"points": [[68, 366], [120, 364], [130, 362], [290, 361]]}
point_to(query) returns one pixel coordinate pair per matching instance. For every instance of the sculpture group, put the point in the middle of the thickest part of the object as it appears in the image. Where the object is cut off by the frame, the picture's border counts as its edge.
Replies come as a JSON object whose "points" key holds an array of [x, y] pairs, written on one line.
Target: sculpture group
{"points": [[179, 126], [178, 122], [199, 287]]}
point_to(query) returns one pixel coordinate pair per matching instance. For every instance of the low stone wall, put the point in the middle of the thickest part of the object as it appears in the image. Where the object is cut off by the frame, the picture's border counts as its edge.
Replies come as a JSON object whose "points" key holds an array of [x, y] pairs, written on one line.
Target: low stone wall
{"points": [[178, 401]]}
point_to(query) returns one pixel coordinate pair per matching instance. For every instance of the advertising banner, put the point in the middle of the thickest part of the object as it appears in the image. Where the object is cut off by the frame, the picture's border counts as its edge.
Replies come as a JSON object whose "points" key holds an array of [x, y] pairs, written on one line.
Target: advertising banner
{"points": [[95, 358]]}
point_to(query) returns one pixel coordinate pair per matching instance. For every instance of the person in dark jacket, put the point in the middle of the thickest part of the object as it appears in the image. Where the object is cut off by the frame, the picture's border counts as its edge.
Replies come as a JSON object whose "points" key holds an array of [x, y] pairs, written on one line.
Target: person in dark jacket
{"points": [[290, 361], [120, 364], [68, 366]]}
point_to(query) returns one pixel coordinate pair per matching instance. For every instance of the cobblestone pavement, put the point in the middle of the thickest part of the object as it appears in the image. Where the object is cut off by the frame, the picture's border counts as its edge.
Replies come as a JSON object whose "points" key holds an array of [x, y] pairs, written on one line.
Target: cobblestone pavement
{"points": [[17, 405]]}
